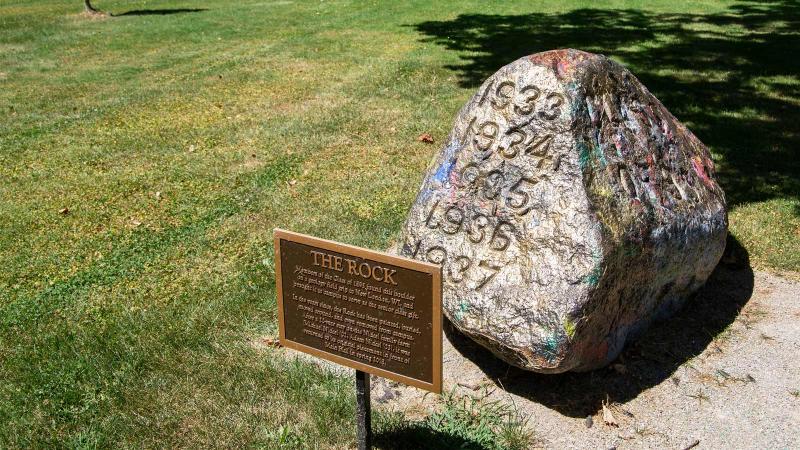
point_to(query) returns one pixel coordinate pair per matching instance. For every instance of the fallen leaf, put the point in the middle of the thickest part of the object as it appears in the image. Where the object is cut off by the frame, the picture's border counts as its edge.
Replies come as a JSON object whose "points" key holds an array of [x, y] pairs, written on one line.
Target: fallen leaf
{"points": [[271, 342], [292, 182], [426, 138], [63, 211], [135, 222], [608, 417]]}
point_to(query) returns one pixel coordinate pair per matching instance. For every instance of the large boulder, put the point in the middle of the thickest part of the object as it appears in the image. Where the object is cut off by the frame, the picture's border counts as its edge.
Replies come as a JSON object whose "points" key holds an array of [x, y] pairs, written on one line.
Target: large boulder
{"points": [[568, 209]]}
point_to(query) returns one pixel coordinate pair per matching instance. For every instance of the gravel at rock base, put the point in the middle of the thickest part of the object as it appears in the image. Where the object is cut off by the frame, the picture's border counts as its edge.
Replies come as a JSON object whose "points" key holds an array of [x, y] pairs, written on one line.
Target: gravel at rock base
{"points": [[723, 373]]}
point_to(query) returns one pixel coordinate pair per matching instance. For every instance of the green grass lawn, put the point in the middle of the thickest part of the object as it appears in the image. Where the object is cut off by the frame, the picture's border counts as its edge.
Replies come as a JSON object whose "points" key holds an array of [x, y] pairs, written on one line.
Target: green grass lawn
{"points": [[145, 159]]}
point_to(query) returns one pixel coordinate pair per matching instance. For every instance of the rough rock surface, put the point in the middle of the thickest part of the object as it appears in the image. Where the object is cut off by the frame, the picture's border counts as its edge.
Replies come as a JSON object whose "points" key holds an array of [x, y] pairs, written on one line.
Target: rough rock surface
{"points": [[568, 209]]}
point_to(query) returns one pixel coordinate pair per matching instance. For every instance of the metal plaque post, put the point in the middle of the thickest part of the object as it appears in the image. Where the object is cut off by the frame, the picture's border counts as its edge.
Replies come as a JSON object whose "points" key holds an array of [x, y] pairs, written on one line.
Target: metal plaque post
{"points": [[363, 415]]}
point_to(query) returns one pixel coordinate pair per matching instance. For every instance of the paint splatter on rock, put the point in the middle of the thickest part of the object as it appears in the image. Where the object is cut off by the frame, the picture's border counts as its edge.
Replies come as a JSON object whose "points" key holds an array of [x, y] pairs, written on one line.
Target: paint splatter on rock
{"points": [[568, 209]]}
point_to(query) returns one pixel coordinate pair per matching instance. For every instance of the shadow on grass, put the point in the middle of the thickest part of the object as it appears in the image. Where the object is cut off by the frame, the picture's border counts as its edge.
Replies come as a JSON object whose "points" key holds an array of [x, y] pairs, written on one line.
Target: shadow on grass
{"points": [[732, 77], [417, 435], [159, 12], [648, 361]]}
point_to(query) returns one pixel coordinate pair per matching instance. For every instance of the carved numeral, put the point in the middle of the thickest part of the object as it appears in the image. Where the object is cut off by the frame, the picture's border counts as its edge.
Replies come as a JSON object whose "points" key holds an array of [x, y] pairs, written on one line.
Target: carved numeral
{"points": [[500, 241], [461, 265], [416, 249], [493, 184], [479, 222], [492, 272], [436, 250], [553, 103], [504, 93], [454, 217], [485, 138], [538, 145], [429, 220], [469, 131], [529, 94], [485, 94], [509, 151], [519, 199], [470, 174]]}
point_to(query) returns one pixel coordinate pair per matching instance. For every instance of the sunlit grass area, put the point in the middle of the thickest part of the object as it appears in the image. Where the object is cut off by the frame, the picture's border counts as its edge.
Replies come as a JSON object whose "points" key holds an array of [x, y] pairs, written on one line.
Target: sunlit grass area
{"points": [[146, 157]]}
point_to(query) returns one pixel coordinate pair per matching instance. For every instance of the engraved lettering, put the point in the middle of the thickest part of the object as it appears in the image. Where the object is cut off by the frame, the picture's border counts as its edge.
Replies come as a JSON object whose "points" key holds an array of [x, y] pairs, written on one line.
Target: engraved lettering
{"points": [[480, 221], [470, 174], [428, 220], [492, 272], [538, 145], [378, 271], [436, 250], [485, 138], [353, 307], [517, 198], [529, 94], [416, 249], [461, 264], [493, 184], [387, 276], [511, 150], [468, 131], [553, 108], [364, 270], [485, 93], [455, 217], [500, 241], [351, 266], [504, 91], [316, 257]]}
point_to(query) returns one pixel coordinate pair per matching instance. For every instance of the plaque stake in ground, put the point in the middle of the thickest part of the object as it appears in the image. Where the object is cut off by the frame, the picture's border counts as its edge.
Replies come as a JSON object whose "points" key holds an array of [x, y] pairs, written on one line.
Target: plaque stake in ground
{"points": [[377, 313], [363, 413]]}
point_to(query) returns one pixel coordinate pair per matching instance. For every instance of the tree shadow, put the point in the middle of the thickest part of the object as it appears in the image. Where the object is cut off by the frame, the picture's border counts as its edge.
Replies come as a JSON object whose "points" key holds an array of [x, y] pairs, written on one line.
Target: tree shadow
{"points": [[159, 12], [731, 77], [647, 362]]}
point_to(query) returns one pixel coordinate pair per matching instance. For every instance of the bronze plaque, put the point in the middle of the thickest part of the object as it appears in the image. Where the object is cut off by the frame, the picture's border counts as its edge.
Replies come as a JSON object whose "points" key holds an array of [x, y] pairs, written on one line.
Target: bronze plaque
{"points": [[368, 310]]}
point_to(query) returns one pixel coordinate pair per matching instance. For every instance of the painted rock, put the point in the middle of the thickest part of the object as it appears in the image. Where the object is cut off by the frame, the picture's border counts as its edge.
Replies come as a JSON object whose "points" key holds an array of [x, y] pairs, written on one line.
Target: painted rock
{"points": [[568, 209]]}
